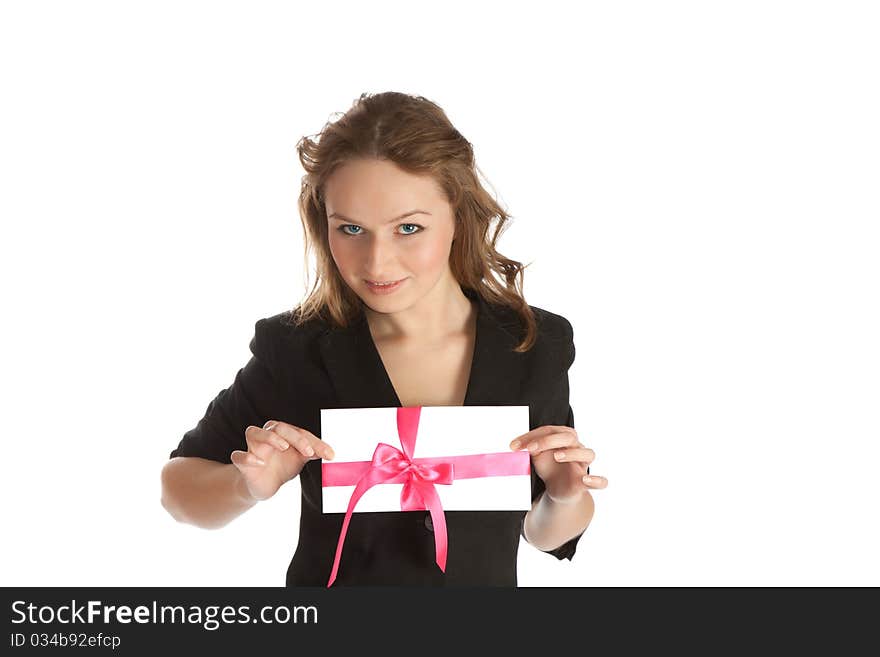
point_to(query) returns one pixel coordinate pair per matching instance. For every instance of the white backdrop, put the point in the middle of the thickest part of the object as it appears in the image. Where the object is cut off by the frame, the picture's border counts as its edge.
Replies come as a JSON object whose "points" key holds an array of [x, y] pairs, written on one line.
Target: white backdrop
{"points": [[696, 184]]}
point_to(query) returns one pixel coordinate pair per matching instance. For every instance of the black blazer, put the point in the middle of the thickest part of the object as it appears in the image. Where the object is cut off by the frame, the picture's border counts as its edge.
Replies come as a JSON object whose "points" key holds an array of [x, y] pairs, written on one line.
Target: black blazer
{"points": [[296, 371]]}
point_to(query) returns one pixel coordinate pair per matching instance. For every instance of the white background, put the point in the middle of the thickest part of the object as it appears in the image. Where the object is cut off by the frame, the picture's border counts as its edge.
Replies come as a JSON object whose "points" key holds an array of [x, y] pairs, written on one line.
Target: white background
{"points": [[696, 185]]}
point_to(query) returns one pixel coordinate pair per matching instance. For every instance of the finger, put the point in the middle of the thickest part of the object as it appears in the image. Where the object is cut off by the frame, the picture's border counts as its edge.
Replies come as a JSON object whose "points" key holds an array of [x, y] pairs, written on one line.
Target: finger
{"points": [[255, 435], [329, 454], [290, 435], [595, 481], [544, 430], [578, 454], [246, 459], [305, 441], [544, 440]]}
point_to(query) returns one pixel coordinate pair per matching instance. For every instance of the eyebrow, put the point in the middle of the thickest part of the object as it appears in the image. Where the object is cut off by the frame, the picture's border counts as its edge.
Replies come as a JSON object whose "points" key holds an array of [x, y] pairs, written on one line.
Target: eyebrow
{"points": [[342, 217]]}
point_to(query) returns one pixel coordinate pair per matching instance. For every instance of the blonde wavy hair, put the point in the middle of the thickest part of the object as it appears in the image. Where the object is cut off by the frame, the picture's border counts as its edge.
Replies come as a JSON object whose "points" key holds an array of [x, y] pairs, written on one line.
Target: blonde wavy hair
{"points": [[416, 135]]}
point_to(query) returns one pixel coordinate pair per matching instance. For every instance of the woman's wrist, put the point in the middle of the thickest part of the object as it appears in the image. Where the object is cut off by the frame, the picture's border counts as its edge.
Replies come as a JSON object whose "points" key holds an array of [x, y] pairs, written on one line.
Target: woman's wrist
{"points": [[241, 488], [575, 498]]}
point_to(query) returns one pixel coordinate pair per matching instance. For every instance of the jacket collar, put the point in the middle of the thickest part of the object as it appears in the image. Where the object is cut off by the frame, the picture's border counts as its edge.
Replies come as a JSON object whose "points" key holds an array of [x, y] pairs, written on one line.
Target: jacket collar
{"points": [[360, 379]]}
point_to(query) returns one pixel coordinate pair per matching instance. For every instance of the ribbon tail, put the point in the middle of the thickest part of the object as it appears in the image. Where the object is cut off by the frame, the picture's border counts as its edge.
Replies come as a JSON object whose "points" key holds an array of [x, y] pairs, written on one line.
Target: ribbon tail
{"points": [[438, 517], [362, 487]]}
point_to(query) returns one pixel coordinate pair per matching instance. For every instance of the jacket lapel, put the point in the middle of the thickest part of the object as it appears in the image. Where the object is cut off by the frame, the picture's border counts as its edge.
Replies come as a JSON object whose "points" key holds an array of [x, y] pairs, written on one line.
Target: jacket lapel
{"points": [[361, 381]]}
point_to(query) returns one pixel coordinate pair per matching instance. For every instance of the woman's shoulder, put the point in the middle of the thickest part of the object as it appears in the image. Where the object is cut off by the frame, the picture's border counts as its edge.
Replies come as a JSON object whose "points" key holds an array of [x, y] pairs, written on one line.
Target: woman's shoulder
{"points": [[284, 344], [555, 339], [553, 348], [550, 326], [282, 327]]}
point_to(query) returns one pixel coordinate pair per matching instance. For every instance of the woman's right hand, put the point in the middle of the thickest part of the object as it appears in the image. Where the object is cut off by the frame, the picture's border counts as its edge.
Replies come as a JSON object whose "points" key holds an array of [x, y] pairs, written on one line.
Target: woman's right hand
{"points": [[276, 454]]}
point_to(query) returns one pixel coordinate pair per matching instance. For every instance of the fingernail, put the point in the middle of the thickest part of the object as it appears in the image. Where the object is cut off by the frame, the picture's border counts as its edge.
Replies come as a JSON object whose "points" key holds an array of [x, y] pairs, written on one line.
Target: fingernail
{"points": [[588, 480], [260, 461], [560, 456], [269, 424], [515, 444]]}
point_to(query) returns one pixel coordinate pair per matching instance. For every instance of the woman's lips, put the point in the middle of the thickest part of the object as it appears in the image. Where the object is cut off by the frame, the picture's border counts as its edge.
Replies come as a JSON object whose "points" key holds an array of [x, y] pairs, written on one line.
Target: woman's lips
{"points": [[384, 289]]}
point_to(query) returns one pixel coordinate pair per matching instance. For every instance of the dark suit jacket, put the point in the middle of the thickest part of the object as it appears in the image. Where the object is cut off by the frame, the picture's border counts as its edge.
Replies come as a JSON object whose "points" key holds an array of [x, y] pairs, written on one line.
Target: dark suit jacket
{"points": [[296, 371]]}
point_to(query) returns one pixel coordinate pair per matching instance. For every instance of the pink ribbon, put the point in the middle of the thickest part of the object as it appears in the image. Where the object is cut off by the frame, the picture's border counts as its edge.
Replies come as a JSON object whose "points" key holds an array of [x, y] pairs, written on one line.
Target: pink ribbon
{"points": [[390, 465]]}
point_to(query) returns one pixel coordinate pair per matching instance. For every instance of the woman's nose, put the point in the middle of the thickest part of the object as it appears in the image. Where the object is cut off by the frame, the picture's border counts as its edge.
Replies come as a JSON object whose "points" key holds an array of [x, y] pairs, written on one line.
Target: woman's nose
{"points": [[379, 257]]}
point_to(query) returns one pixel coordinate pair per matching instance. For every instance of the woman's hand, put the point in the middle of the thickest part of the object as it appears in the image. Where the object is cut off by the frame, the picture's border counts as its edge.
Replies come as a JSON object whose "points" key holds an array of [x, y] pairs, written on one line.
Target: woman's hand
{"points": [[561, 461], [276, 454]]}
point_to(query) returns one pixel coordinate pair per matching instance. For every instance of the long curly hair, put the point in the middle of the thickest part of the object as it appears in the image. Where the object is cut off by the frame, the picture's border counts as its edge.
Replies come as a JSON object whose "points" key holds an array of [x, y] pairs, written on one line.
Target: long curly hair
{"points": [[416, 135]]}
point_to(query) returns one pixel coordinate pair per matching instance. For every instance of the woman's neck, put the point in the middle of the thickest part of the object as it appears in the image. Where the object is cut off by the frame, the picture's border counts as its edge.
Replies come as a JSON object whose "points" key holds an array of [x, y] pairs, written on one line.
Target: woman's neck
{"points": [[441, 313]]}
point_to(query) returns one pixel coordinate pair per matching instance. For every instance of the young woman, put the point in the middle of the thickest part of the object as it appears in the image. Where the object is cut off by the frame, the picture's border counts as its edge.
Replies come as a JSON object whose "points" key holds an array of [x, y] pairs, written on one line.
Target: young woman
{"points": [[406, 311]]}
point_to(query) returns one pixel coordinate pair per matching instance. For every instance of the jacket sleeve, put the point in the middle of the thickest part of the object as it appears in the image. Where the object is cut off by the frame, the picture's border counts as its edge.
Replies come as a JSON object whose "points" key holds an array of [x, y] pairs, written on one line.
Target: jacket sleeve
{"points": [[251, 399], [561, 407]]}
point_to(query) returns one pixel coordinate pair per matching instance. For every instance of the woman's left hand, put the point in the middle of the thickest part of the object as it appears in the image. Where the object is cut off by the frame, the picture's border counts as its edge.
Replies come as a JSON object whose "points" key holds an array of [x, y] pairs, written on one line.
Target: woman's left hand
{"points": [[561, 461]]}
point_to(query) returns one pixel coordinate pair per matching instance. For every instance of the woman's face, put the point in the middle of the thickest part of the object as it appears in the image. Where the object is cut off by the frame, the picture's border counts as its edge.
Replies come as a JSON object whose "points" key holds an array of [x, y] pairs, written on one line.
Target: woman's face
{"points": [[372, 240]]}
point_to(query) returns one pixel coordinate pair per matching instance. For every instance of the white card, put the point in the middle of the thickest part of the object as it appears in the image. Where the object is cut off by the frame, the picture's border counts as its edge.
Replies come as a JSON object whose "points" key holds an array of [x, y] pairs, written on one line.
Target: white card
{"points": [[443, 431]]}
